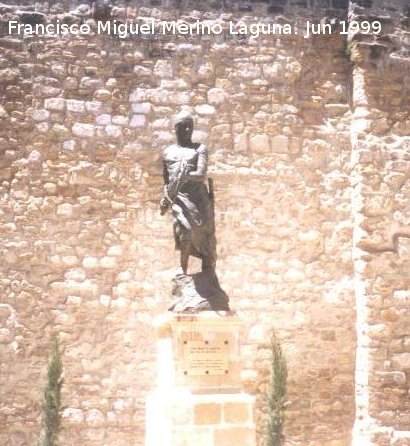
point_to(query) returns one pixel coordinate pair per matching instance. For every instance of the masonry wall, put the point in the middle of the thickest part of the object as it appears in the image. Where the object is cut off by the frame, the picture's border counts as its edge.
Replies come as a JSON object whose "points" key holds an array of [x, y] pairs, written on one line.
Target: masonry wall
{"points": [[380, 155], [85, 252]]}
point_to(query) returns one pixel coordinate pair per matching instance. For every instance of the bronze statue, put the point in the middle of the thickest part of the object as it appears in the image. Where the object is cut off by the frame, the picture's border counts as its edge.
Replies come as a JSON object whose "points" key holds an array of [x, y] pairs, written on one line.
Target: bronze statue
{"points": [[192, 205]]}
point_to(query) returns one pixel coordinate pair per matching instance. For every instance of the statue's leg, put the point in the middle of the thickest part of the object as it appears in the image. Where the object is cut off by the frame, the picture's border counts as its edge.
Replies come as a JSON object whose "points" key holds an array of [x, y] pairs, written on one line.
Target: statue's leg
{"points": [[183, 244], [185, 250], [209, 260], [208, 263], [209, 268]]}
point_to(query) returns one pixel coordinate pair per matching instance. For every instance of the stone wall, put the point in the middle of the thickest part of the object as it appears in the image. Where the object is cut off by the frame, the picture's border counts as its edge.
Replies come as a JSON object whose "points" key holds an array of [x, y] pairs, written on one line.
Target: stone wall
{"points": [[381, 209], [83, 121]]}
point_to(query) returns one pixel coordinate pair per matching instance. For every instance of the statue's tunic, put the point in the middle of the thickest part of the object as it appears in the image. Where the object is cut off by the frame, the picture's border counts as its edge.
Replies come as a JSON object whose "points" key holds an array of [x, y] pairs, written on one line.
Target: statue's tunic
{"points": [[192, 208]]}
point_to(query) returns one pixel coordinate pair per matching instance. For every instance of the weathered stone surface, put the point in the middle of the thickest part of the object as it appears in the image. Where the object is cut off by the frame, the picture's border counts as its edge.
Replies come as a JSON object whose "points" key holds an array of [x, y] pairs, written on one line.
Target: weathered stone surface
{"points": [[198, 292], [55, 104], [217, 96], [142, 107], [83, 130], [137, 120], [76, 106], [163, 69]]}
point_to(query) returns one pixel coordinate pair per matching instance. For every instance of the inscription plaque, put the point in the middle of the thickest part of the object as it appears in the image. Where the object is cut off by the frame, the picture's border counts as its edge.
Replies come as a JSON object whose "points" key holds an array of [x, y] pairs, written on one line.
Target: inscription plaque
{"points": [[205, 357]]}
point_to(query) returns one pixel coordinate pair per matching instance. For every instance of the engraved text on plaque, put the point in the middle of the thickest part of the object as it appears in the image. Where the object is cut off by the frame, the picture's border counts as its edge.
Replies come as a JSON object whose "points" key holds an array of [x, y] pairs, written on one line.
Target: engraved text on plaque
{"points": [[205, 357]]}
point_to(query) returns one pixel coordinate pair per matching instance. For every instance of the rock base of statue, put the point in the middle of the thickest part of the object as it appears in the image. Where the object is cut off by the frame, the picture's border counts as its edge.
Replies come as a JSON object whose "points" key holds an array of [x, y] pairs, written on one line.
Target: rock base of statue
{"points": [[198, 292], [198, 398]]}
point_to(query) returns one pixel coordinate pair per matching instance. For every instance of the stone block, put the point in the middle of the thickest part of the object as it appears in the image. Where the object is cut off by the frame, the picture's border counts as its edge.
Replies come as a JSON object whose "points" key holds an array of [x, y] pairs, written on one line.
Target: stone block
{"points": [[75, 106], [185, 415], [105, 300], [401, 361], [205, 109], [402, 128], [70, 144], [109, 262], [200, 135], [102, 95], [55, 104], [273, 72], [280, 143], [113, 131], [83, 130], [164, 123], [9, 75], [139, 94], [138, 121], [248, 71], [293, 70], [217, 96], [59, 70], [207, 413], [95, 107], [241, 143], [141, 107], [3, 112], [259, 143], [174, 84], [95, 417], [401, 438], [74, 300], [236, 413], [90, 83], [392, 378], [141, 71], [65, 209], [73, 415], [244, 436], [43, 127], [336, 109], [103, 119], [69, 260], [206, 71], [70, 83], [40, 115], [180, 97], [120, 120], [163, 69], [197, 437], [164, 137], [90, 262], [389, 315]]}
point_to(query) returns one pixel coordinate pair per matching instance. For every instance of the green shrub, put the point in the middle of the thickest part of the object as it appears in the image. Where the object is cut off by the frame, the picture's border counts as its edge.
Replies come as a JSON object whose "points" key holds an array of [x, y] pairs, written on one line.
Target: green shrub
{"points": [[277, 396], [51, 407]]}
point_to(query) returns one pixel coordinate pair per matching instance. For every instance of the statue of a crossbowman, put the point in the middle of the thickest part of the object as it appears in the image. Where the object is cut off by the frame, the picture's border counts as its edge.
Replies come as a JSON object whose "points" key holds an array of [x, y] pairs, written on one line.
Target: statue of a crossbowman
{"points": [[192, 206]]}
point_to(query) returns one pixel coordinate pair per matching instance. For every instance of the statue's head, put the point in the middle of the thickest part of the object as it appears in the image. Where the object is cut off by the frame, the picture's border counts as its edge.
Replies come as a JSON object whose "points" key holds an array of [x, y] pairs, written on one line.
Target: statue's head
{"points": [[184, 126]]}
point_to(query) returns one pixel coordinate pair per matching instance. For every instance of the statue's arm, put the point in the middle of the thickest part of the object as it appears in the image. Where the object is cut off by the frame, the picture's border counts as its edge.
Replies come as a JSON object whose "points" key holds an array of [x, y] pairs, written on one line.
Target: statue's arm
{"points": [[165, 200], [165, 174], [199, 174]]}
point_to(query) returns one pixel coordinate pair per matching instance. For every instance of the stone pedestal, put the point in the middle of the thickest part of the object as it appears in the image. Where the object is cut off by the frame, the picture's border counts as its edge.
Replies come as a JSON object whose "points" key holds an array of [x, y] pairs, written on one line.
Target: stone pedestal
{"points": [[198, 397]]}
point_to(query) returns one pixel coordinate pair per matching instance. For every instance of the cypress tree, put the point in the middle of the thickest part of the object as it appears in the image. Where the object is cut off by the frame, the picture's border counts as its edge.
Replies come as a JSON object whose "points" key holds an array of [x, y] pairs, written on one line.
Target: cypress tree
{"points": [[51, 406], [277, 396]]}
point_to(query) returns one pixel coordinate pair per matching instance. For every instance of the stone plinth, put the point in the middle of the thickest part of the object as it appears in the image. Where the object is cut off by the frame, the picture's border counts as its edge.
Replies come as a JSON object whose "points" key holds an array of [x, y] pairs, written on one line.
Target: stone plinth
{"points": [[198, 397], [182, 418], [199, 351]]}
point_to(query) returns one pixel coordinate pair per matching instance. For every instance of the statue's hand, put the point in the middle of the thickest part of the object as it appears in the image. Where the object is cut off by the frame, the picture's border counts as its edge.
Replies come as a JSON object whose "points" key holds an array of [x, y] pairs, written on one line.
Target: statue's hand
{"points": [[163, 205]]}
